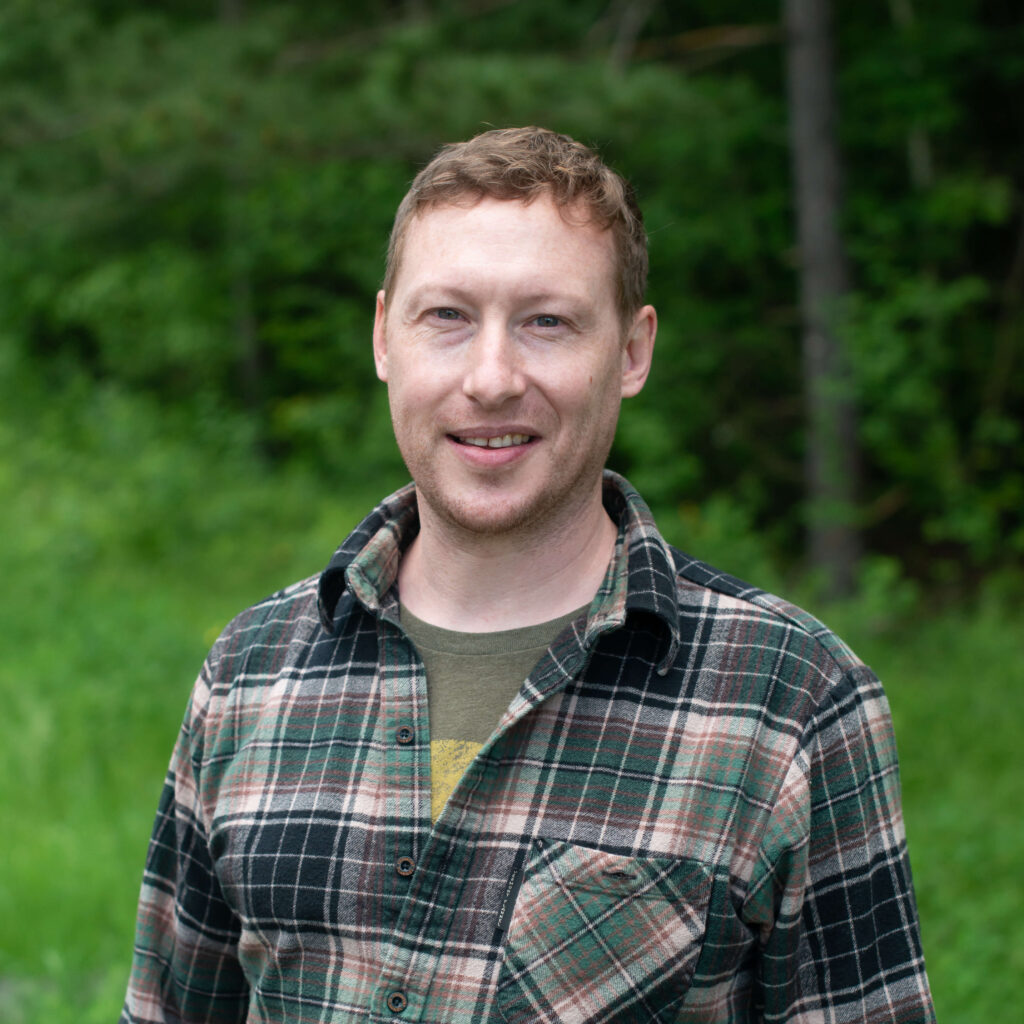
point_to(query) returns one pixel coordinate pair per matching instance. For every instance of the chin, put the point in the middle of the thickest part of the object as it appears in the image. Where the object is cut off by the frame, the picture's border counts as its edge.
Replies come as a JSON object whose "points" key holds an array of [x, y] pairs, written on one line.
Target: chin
{"points": [[489, 522], [493, 516]]}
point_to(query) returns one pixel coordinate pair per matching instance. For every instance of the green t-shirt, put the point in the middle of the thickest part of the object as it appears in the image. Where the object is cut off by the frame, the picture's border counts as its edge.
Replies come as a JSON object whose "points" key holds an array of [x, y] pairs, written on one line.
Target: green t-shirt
{"points": [[471, 680]]}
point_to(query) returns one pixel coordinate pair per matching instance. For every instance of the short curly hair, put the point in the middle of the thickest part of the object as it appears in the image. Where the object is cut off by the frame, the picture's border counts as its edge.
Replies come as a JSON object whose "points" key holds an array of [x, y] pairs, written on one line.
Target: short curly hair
{"points": [[522, 164]]}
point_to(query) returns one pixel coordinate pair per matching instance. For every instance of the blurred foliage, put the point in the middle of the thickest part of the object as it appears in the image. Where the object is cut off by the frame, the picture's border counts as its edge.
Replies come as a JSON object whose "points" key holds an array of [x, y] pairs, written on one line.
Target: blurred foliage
{"points": [[196, 202]]}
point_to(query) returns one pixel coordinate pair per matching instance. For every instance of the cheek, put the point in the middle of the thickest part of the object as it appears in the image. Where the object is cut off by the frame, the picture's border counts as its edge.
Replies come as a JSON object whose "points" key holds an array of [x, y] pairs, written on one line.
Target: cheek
{"points": [[417, 402], [411, 386], [595, 387]]}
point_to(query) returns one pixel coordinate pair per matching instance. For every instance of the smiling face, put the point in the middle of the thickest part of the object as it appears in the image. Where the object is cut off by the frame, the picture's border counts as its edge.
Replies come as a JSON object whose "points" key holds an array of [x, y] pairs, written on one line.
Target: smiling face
{"points": [[506, 360]]}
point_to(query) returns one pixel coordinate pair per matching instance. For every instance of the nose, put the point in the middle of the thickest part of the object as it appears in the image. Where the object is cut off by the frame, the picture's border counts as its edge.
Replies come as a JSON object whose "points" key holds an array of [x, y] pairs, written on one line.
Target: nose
{"points": [[493, 374]]}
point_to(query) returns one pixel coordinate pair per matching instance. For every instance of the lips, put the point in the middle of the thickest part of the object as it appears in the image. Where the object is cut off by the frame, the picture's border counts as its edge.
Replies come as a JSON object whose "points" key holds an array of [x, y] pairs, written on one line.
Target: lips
{"points": [[497, 441]]}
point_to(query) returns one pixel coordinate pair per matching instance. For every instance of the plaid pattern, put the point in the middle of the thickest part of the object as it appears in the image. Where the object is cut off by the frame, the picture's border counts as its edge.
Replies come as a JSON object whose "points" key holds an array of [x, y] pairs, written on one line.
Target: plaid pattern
{"points": [[690, 812], [597, 934]]}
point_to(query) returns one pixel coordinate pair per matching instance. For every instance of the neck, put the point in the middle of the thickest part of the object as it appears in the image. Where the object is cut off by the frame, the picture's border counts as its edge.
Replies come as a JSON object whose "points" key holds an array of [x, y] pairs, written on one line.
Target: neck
{"points": [[479, 583]]}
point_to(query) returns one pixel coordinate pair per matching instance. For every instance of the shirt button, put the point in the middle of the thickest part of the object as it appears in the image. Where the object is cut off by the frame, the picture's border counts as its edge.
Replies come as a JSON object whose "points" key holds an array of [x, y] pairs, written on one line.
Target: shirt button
{"points": [[397, 1002], [405, 866], [404, 735]]}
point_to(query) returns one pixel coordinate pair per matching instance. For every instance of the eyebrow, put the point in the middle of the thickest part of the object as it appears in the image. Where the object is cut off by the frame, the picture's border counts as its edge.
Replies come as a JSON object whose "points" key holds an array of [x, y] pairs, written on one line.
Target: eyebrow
{"points": [[440, 294]]}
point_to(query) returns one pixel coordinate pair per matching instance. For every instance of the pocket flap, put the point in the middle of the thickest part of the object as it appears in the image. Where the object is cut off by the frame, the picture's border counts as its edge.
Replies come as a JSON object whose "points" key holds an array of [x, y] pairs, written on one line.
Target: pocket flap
{"points": [[596, 937]]}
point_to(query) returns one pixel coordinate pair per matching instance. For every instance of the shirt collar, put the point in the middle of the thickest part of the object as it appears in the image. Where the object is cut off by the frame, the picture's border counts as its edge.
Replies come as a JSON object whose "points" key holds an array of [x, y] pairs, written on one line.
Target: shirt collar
{"points": [[641, 578], [366, 564]]}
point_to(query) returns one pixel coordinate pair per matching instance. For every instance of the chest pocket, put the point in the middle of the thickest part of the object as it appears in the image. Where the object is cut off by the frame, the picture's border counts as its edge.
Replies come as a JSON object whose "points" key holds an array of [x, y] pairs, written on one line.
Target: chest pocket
{"points": [[596, 938]]}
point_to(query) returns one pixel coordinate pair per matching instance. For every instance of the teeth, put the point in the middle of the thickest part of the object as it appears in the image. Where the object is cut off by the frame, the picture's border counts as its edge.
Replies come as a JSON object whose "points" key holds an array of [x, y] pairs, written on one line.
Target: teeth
{"points": [[505, 441]]}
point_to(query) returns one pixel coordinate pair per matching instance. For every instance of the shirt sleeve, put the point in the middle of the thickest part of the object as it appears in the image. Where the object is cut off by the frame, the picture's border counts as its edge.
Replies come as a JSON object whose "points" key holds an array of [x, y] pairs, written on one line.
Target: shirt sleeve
{"points": [[832, 891], [185, 966]]}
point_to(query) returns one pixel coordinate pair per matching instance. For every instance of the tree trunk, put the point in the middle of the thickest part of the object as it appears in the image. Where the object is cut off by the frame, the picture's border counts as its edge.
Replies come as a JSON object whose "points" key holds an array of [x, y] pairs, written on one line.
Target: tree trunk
{"points": [[831, 468]]}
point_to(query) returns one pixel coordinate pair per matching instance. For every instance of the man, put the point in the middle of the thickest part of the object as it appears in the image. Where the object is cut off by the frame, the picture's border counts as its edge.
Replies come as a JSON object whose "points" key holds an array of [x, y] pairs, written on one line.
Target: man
{"points": [[511, 757]]}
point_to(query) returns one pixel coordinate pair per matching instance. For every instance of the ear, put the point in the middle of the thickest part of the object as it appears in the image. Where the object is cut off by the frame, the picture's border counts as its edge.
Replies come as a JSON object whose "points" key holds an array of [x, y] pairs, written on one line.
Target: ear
{"points": [[380, 345], [638, 351]]}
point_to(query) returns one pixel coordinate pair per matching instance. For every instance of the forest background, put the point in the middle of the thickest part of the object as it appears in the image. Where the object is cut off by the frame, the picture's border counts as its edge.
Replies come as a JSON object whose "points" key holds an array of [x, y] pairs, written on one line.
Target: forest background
{"points": [[195, 199]]}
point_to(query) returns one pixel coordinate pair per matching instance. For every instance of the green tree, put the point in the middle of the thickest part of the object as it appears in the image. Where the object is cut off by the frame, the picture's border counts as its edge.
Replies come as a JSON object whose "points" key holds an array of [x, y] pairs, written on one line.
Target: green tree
{"points": [[196, 199]]}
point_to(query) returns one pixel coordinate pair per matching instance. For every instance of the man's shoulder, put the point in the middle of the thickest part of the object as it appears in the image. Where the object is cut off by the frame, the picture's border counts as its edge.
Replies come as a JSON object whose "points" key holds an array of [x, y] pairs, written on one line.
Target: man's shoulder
{"points": [[269, 624], [298, 610], [250, 653], [741, 609], [703, 604]]}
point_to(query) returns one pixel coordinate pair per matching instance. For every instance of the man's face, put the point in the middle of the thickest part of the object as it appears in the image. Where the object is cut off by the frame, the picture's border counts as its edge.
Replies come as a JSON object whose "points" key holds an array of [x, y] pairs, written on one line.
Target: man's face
{"points": [[506, 361]]}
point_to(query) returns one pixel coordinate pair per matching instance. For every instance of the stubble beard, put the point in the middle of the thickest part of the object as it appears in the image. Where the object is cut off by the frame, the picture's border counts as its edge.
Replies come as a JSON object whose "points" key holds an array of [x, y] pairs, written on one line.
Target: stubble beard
{"points": [[525, 519]]}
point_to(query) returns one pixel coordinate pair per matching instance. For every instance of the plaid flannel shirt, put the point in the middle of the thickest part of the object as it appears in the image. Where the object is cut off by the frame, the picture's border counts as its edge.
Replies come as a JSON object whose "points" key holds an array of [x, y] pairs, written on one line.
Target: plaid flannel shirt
{"points": [[690, 812]]}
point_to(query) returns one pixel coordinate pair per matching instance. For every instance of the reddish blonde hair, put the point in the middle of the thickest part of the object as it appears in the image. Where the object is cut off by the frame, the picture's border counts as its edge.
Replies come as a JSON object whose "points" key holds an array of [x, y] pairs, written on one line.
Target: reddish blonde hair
{"points": [[522, 164]]}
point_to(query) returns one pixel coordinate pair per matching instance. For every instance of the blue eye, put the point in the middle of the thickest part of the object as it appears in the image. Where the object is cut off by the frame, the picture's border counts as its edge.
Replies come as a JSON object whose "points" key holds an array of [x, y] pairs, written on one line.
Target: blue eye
{"points": [[446, 314], [547, 321]]}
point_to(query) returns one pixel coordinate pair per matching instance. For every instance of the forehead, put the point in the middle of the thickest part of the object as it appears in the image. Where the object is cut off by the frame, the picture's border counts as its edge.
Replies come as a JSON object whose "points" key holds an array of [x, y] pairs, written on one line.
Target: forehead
{"points": [[508, 237]]}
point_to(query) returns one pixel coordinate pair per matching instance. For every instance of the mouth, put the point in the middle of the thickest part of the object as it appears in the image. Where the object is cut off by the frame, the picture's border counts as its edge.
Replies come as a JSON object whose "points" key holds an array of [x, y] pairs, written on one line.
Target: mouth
{"points": [[500, 441]]}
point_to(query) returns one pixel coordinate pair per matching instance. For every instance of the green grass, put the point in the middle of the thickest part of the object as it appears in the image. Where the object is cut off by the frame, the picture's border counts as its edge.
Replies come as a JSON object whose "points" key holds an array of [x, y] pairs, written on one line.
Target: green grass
{"points": [[121, 572], [98, 664], [954, 685]]}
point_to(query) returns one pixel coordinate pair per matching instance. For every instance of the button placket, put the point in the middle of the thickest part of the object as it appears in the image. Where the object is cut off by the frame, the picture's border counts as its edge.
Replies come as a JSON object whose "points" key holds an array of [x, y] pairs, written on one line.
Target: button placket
{"points": [[407, 754]]}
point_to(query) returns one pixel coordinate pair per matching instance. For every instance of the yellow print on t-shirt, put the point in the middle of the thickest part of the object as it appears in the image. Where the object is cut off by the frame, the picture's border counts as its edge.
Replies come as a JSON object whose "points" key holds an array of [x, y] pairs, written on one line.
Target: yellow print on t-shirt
{"points": [[448, 760]]}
